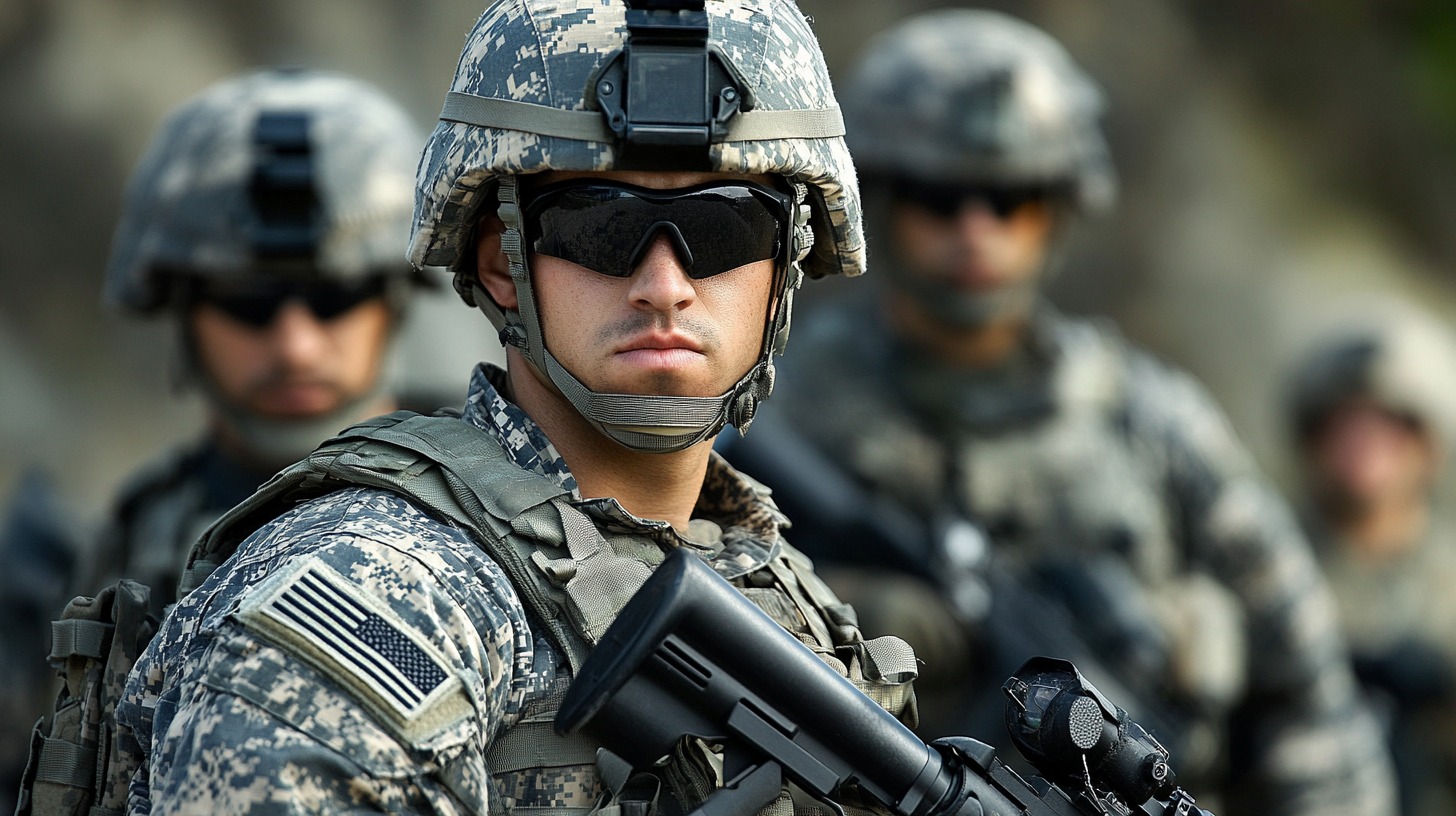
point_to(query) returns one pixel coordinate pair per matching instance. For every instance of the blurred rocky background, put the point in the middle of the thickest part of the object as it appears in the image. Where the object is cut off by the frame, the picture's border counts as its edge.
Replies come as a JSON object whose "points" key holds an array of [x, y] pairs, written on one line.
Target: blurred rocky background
{"points": [[1277, 158]]}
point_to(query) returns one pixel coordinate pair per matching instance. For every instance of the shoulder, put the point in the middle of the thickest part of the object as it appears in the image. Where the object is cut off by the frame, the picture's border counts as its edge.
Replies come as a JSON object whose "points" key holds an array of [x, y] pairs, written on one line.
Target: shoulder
{"points": [[1158, 401], [356, 621]]}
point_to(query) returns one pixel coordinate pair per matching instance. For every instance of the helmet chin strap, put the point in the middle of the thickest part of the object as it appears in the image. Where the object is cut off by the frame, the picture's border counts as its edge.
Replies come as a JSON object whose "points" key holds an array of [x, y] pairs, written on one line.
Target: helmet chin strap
{"points": [[643, 422]]}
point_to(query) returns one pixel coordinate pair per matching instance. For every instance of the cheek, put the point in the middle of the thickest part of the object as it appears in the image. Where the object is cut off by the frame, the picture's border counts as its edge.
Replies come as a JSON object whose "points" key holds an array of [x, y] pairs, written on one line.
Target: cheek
{"points": [[359, 339], [230, 355], [739, 303]]}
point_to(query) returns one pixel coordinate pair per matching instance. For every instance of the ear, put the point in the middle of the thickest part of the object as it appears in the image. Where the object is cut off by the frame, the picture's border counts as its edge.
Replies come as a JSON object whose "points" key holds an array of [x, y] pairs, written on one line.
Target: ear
{"points": [[492, 267]]}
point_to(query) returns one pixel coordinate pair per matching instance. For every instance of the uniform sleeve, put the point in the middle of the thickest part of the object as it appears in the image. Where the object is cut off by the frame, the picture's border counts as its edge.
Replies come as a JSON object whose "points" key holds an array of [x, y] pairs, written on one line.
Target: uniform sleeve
{"points": [[1301, 740], [367, 674]]}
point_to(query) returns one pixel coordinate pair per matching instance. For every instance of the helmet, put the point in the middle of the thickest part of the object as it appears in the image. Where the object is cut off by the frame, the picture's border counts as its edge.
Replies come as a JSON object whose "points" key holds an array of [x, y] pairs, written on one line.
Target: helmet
{"points": [[275, 172], [978, 97], [1396, 356], [596, 85]]}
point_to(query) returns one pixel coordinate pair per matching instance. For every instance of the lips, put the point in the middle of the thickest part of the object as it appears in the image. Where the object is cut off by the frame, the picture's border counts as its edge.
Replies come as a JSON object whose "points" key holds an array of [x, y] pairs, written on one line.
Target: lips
{"points": [[660, 342]]}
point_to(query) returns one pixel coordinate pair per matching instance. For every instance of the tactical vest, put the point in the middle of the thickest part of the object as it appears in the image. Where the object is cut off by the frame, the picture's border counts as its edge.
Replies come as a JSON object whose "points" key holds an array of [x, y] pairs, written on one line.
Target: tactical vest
{"points": [[573, 578]]}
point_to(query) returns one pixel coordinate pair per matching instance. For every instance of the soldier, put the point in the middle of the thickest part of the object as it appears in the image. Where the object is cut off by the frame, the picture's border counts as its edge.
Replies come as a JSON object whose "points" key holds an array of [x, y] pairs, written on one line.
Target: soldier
{"points": [[1126, 523], [401, 612], [268, 217], [1373, 409]]}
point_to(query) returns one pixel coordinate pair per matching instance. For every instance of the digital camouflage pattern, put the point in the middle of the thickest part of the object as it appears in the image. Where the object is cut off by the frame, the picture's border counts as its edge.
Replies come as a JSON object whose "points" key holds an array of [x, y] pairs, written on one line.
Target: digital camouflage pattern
{"points": [[240, 718], [1081, 452], [546, 53], [78, 763], [188, 208], [977, 97]]}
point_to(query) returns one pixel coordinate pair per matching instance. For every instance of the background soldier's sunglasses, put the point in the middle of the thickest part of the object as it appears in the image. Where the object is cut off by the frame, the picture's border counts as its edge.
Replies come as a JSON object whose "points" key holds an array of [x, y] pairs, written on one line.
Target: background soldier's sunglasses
{"points": [[608, 227], [256, 303], [945, 200]]}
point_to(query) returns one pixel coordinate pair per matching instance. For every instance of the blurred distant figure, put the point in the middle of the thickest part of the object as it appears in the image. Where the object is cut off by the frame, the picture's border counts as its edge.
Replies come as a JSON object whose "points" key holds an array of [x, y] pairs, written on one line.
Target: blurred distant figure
{"points": [[269, 219], [1125, 526], [1373, 408]]}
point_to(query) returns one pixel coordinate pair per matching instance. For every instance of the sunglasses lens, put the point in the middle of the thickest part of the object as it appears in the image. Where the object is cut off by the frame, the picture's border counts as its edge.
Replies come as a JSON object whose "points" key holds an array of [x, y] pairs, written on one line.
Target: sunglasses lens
{"points": [[256, 308], [607, 227], [257, 305], [947, 200], [329, 299]]}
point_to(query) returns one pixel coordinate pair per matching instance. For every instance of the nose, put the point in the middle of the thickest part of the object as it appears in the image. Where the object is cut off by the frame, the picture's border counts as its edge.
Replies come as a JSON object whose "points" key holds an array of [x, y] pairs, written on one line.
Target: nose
{"points": [[297, 335], [660, 283]]}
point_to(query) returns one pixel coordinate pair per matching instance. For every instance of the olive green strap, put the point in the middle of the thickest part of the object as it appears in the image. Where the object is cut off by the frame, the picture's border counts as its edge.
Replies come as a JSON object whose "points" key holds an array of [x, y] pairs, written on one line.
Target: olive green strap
{"points": [[590, 126], [598, 582], [536, 745], [66, 763], [77, 637]]}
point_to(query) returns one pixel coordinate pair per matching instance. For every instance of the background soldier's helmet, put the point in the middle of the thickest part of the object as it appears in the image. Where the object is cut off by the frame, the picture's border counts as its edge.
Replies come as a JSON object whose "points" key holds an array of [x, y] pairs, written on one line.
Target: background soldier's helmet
{"points": [[277, 172], [1397, 357], [550, 85], [981, 98]]}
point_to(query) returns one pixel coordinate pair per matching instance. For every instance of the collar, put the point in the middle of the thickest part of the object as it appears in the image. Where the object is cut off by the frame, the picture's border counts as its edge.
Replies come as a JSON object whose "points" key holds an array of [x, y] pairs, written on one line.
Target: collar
{"points": [[734, 504]]}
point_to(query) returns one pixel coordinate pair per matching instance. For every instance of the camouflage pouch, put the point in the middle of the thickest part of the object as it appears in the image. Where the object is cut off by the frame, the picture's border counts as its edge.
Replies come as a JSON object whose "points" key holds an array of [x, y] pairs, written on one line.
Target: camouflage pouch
{"points": [[77, 765]]}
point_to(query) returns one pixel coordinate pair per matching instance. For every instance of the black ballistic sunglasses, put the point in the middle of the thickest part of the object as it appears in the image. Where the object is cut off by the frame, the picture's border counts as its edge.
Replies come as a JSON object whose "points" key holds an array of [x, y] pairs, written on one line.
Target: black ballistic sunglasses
{"points": [[945, 200], [256, 302], [608, 226]]}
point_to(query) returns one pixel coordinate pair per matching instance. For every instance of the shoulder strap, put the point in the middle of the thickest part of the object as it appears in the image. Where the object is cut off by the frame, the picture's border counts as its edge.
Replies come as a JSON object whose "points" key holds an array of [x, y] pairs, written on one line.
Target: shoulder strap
{"points": [[463, 477]]}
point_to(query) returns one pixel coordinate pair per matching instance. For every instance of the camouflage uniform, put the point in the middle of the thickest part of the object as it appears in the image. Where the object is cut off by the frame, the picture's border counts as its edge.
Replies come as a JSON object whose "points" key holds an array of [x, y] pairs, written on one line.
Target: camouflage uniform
{"points": [[1122, 520], [1083, 454], [211, 689], [244, 704], [1395, 608]]}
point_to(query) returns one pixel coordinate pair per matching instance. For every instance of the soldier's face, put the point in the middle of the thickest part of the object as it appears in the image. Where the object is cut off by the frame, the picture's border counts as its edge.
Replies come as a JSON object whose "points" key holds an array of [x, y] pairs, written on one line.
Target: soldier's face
{"points": [[977, 247], [1364, 456], [296, 365], [656, 331]]}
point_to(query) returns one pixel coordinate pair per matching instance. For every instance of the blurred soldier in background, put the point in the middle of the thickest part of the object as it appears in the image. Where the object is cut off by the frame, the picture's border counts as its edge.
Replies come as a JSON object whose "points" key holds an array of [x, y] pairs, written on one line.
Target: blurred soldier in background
{"points": [[269, 218], [1128, 528], [1373, 410]]}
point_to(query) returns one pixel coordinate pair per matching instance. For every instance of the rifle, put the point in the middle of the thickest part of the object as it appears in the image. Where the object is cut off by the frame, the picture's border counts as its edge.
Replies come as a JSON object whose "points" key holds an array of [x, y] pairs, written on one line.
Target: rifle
{"points": [[691, 657]]}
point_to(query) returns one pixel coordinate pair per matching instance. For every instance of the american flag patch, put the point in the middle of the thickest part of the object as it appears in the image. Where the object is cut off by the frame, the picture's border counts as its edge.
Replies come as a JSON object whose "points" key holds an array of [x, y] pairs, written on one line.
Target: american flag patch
{"points": [[353, 637]]}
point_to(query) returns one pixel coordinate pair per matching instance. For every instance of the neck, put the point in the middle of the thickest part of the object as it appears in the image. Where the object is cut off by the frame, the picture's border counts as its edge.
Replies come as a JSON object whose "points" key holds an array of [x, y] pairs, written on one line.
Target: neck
{"points": [[265, 446], [1387, 529], [984, 346], [649, 485]]}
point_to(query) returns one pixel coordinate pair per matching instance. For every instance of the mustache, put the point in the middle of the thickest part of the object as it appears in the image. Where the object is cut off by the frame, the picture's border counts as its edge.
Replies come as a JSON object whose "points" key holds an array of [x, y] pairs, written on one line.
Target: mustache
{"points": [[283, 376], [625, 328]]}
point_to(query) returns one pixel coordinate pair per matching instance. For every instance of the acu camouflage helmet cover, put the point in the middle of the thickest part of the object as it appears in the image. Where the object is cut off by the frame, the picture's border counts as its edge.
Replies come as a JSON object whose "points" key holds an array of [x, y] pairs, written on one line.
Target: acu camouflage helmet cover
{"points": [[547, 53], [203, 201], [978, 97], [560, 85]]}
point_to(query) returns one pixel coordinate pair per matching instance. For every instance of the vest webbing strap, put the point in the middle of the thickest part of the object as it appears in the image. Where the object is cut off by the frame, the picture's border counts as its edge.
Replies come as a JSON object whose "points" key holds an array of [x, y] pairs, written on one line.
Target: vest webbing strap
{"points": [[590, 126], [73, 637], [529, 745], [66, 763]]}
